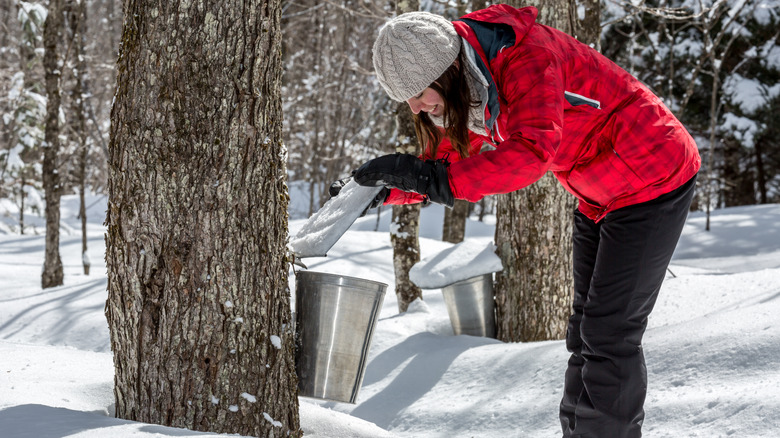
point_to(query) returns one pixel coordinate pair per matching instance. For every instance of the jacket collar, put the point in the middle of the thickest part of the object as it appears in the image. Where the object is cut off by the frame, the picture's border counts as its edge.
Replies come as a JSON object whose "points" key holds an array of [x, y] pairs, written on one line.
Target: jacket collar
{"points": [[488, 32], [491, 104]]}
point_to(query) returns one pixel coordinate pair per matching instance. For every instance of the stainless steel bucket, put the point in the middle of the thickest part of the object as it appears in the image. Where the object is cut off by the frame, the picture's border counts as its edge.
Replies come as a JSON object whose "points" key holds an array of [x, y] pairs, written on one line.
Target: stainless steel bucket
{"points": [[334, 319], [471, 306]]}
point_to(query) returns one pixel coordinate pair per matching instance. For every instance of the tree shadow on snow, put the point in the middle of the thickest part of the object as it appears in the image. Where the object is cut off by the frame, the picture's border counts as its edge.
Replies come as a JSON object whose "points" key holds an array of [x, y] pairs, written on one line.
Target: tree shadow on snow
{"points": [[61, 312], [431, 356], [39, 421]]}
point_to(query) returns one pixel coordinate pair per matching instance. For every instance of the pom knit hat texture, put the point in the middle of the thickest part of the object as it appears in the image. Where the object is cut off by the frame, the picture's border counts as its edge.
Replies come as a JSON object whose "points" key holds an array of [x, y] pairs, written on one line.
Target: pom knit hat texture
{"points": [[413, 50]]}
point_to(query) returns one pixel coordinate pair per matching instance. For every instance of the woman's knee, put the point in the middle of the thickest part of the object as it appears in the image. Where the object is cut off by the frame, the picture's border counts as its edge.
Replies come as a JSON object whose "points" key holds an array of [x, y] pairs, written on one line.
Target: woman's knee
{"points": [[607, 339]]}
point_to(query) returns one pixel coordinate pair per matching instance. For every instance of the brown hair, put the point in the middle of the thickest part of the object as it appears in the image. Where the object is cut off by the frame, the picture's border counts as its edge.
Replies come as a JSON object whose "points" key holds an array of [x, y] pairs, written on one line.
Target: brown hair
{"points": [[454, 89]]}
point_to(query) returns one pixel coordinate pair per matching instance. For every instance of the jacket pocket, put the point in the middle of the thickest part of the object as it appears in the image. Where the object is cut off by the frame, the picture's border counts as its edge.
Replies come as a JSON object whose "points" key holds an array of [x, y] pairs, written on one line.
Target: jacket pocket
{"points": [[604, 178]]}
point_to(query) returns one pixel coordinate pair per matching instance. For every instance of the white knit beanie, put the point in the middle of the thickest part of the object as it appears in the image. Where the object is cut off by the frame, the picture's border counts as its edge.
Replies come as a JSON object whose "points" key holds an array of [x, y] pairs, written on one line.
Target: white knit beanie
{"points": [[413, 50]]}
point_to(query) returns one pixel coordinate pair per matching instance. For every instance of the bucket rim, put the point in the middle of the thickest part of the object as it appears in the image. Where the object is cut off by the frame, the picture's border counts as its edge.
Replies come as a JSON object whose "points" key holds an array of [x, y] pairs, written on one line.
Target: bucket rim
{"points": [[336, 277], [474, 279]]}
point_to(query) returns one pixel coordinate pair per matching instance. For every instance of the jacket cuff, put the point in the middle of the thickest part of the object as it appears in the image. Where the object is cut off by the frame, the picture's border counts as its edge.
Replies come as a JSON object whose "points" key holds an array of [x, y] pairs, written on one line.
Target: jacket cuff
{"points": [[399, 197]]}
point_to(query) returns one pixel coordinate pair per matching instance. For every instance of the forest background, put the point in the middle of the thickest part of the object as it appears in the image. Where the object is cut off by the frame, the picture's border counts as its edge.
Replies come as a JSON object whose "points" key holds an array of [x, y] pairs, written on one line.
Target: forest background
{"points": [[715, 63]]}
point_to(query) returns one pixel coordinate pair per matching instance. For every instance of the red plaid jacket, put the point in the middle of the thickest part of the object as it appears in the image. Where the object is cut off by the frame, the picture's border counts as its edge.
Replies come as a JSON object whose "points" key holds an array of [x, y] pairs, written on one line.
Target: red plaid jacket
{"points": [[558, 105]]}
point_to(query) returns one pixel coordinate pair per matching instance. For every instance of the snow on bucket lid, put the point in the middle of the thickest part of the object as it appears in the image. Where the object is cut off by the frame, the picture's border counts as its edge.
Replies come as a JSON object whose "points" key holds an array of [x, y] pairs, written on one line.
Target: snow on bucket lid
{"points": [[470, 258], [325, 227]]}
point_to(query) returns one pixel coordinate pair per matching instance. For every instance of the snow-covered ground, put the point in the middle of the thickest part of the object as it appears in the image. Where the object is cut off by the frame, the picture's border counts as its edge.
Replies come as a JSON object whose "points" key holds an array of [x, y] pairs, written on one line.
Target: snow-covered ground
{"points": [[713, 345]]}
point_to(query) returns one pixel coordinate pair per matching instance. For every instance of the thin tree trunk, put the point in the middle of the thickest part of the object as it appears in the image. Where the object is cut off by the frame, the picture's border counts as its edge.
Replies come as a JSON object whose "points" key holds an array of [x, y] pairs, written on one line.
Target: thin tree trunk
{"points": [[454, 229], [5, 18], [760, 175], [461, 6], [78, 24], [52, 275], [404, 236], [198, 300], [711, 152], [315, 180], [22, 194], [587, 30], [85, 262], [483, 204], [405, 227]]}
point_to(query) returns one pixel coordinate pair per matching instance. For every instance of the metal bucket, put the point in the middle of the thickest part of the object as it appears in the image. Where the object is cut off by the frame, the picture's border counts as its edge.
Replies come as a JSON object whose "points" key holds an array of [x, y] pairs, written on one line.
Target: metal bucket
{"points": [[334, 319], [471, 306]]}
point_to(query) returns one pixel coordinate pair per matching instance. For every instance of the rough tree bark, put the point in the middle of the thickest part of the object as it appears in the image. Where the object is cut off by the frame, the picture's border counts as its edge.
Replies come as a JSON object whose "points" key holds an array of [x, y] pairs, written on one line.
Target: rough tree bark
{"points": [[405, 226], [404, 236], [198, 303], [533, 235], [52, 29]]}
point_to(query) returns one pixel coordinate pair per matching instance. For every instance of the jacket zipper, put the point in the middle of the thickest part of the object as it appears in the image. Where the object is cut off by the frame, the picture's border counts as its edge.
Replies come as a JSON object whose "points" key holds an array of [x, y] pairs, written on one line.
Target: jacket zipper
{"points": [[496, 132]]}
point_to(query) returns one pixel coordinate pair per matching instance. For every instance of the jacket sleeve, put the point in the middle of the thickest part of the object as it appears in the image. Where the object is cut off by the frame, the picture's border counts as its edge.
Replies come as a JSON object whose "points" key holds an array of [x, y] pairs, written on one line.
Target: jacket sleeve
{"points": [[531, 92], [444, 150]]}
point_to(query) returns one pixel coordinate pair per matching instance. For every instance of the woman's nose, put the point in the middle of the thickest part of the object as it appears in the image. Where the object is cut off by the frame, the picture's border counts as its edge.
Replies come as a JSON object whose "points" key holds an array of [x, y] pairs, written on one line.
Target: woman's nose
{"points": [[414, 106]]}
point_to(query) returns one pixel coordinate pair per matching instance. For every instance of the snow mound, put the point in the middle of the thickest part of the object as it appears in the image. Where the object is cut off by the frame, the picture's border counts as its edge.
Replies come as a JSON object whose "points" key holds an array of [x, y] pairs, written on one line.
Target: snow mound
{"points": [[470, 258], [320, 422]]}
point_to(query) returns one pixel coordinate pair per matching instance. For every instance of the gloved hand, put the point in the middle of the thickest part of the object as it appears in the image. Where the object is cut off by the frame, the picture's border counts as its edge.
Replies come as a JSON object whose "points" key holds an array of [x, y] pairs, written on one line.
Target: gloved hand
{"points": [[410, 174], [378, 200], [337, 185]]}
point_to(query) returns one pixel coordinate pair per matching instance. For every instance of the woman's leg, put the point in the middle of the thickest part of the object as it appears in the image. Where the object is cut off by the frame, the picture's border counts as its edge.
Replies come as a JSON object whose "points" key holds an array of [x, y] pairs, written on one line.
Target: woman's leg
{"points": [[635, 246], [585, 245]]}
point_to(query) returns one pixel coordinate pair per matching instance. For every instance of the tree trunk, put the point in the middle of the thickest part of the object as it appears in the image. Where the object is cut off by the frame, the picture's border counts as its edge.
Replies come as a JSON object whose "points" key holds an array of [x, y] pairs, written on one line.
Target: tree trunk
{"points": [[711, 150], [77, 18], [760, 175], [738, 174], [454, 229], [533, 235], [52, 29], [22, 195], [198, 300], [404, 235], [405, 227], [85, 262], [533, 292], [587, 30]]}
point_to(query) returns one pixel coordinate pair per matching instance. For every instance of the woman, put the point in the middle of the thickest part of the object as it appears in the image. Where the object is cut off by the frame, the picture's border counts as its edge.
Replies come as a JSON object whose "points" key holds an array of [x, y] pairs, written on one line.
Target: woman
{"points": [[546, 102]]}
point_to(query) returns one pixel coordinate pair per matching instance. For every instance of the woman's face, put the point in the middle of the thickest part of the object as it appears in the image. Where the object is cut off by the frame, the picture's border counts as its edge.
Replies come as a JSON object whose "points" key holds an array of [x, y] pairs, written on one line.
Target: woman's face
{"points": [[429, 101]]}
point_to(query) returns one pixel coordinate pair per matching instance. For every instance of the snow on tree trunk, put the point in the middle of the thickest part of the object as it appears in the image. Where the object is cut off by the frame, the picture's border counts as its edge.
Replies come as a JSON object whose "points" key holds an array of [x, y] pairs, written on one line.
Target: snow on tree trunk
{"points": [[198, 300], [52, 265]]}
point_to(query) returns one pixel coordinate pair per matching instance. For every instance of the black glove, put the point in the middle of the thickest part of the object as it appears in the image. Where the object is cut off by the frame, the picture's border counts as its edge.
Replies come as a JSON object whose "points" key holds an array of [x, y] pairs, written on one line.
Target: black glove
{"points": [[378, 200], [336, 187], [410, 174]]}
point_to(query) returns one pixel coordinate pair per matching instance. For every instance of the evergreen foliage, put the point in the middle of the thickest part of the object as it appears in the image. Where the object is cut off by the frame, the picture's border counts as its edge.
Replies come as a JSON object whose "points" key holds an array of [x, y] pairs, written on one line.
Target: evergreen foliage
{"points": [[681, 48]]}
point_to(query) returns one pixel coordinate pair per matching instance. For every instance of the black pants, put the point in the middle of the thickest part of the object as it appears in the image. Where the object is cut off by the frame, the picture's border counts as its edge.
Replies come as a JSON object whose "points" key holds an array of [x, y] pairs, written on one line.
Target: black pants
{"points": [[619, 265]]}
